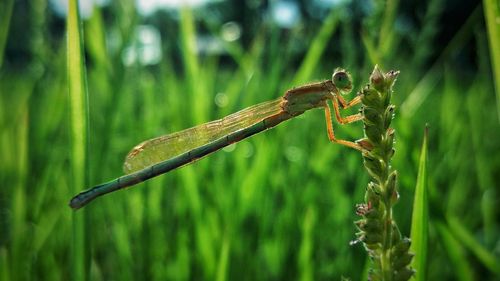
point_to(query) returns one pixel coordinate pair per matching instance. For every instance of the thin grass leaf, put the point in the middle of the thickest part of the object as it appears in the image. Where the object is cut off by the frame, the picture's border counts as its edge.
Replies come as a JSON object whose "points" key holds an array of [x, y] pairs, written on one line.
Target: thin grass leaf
{"points": [[4, 268], [6, 7], [424, 87], [456, 254], [96, 42], [386, 38], [467, 239], [234, 48], [192, 68], [20, 198], [188, 41], [223, 261], [15, 197], [317, 47], [427, 35], [492, 14], [370, 48], [306, 252], [78, 125], [420, 216], [15, 158], [241, 78]]}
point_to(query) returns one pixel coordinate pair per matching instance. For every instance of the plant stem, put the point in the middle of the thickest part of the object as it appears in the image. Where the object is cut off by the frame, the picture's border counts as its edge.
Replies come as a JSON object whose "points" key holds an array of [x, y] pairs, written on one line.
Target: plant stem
{"points": [[378, 230], [78, 126]]}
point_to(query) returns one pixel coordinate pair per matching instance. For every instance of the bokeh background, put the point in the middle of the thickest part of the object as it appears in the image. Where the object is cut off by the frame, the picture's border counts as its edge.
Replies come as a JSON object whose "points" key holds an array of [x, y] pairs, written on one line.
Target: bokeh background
{"points": [[279, 206]]}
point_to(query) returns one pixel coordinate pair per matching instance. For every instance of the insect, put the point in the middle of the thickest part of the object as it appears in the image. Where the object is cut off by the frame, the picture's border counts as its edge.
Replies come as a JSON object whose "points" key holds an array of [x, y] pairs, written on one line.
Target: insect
{"points": [[163, 154]]}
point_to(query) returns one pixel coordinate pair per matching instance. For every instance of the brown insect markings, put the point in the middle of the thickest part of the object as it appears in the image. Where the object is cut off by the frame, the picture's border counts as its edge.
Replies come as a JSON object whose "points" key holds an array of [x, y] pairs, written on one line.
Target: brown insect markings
{"points": [[284, 103], [138, 149]]}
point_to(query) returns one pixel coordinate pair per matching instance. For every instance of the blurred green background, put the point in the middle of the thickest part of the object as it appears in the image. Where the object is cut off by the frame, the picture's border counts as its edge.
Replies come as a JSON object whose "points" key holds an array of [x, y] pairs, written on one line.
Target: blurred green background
{"points": [[279, 206]]}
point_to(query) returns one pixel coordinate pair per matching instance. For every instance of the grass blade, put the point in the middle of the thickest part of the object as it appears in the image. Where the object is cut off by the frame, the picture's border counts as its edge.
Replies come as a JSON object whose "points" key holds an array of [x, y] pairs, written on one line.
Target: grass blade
{"points": [[7, 7], [431, 78], [456, 253], [316, 49], [78, 131], [467, 239], [223, 261], [492, 14], [369, 45], [387, 29], [191, 63], [306, 252], [420, 216], [4, 269]]}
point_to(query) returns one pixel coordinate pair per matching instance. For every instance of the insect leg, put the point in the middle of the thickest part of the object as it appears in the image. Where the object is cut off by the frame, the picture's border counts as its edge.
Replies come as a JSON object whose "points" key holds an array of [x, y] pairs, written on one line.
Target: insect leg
{"points": [[331, 135], [347, 119], [352, 102]]}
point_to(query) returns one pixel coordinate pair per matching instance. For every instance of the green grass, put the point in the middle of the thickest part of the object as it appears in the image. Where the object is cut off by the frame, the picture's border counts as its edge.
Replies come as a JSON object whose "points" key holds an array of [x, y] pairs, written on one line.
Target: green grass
{"points": [[279, 206], [456, 254], [7, 7], [420, 216], [492, 14], [78, 133]]}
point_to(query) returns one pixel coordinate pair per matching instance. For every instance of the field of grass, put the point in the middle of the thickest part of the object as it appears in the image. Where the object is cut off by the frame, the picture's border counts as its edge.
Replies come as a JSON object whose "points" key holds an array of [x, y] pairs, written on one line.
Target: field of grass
{"points": [[279, 206]]}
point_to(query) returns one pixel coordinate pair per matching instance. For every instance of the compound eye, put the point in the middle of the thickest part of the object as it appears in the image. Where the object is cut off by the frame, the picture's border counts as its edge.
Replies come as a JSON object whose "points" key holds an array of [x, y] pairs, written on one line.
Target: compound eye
{"points": [[342, 81]]}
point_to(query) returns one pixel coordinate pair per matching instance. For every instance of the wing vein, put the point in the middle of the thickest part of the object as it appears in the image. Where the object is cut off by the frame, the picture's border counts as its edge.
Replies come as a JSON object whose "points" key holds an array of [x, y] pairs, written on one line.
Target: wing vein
{"points": [[162, 148]]}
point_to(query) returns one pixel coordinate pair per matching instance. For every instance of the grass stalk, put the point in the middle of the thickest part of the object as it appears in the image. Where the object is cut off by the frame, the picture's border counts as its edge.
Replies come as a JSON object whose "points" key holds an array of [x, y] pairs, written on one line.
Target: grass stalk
{"points": [[4, 269], [386, 39], [191, 66], [468, 240], [378, 229], [6, 14], [456, 254], [78, 131], [420, 216], [434, 74], [317, 48], [305, 258], [492, 15], [223, 260]]}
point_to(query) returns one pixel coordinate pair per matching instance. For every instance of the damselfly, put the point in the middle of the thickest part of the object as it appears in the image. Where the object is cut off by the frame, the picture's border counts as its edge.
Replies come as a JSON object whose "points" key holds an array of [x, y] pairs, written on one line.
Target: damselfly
{"points": [[163, 154]]}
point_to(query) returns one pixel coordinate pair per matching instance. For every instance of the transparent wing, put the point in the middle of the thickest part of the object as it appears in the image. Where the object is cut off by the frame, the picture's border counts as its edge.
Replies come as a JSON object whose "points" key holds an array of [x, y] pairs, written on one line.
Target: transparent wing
{"points": [[165, 147]]}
